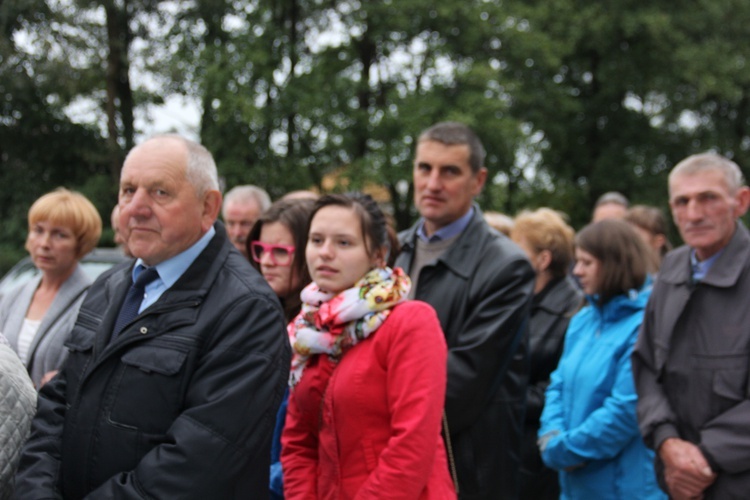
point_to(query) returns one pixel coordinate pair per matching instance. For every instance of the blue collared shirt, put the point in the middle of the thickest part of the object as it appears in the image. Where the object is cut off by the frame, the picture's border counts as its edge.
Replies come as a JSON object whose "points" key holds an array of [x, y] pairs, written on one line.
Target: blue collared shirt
{"points": [[700, 268], [446, 232], [170, 270]]}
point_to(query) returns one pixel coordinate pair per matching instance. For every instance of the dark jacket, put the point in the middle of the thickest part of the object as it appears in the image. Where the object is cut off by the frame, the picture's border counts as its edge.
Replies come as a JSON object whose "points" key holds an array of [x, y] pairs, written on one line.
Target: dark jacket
{"points": [[692, 363], [481, 289], [180, 405], [551, 311]]}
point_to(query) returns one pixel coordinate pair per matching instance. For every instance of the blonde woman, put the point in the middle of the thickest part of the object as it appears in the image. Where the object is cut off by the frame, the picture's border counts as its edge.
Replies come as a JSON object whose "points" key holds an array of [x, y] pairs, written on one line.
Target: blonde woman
{"points": [[37, 317]]}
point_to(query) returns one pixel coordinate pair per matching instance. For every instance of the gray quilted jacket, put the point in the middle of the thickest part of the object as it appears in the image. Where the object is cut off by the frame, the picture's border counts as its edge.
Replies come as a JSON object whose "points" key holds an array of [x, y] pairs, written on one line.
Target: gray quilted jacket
{"points": [[17, 406]]}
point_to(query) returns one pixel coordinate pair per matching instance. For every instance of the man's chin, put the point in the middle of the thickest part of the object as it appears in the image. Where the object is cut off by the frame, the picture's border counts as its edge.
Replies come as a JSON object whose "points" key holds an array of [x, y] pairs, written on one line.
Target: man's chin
{"points": [[141, 251]]}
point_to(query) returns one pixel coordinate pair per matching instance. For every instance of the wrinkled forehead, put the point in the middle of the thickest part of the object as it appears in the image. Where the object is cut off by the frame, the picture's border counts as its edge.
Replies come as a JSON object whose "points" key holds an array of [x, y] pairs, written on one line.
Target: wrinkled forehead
{"points": [[157, 152], [696, 183]]}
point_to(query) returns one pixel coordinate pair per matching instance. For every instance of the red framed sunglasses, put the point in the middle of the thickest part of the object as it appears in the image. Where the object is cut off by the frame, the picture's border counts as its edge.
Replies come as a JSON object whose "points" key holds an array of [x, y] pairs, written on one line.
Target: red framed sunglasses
{"points": [[281, 255]]}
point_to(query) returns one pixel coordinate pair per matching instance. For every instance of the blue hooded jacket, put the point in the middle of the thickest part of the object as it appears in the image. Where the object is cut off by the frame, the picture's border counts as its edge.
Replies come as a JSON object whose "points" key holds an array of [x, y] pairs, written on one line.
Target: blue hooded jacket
{"points": [[589, 424]]}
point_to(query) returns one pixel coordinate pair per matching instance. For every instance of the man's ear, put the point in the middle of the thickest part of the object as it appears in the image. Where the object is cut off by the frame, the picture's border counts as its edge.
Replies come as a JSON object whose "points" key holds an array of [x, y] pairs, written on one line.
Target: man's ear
{"points": [[480, 178], [743, 201], [211, 208]]}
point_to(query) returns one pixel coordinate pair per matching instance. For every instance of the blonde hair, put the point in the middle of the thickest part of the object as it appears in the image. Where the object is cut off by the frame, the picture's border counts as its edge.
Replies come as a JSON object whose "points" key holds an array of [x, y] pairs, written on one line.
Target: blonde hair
{"points": [[546, 229], [70, 209], [499, 222]]}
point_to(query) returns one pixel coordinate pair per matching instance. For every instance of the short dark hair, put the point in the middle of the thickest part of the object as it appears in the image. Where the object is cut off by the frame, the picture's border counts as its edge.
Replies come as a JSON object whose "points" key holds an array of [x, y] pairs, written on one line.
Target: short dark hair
{"points": [[454, 133], [375, 227], [624, 258]]}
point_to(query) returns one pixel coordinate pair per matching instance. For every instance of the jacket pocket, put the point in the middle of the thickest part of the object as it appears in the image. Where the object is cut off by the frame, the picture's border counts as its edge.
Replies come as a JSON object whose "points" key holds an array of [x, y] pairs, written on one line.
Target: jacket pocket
{"points": [[730, 384], [148, 389], [728, 380]]}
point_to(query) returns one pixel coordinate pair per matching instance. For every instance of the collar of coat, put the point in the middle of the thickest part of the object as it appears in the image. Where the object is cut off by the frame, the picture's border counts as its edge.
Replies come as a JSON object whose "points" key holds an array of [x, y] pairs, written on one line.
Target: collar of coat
{"points": [[724, 273], [462, 257], [195, 281]]}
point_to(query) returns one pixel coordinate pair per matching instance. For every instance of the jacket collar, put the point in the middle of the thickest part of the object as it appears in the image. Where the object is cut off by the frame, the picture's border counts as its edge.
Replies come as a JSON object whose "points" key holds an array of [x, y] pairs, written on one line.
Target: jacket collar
{"points": [[562, 296], [623, 305], [723, 273], [462, 256], [192, 286]]}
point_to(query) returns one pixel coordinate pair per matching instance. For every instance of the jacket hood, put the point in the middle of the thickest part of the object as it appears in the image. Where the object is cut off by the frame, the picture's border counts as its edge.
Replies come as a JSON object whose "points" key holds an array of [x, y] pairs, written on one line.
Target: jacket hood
{"points": [[623, 305]]}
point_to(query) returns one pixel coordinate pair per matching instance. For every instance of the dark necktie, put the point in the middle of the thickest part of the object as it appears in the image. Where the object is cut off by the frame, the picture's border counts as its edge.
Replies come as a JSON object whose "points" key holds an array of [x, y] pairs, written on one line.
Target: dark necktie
{"points": [[133, 299]]}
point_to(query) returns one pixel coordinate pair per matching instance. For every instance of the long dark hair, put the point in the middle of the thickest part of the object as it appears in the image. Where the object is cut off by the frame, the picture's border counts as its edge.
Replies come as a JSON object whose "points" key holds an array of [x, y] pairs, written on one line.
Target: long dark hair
{"points": [[293, 214]]}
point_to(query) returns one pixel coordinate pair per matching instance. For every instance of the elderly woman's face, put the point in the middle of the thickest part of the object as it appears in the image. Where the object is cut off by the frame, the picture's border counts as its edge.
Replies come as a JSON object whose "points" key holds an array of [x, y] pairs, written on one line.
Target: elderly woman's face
{"points": [[53, 249]]}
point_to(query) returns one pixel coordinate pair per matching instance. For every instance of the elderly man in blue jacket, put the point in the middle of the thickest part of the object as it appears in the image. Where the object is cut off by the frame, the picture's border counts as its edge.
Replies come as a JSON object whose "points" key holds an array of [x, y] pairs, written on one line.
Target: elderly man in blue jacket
{"points": [[172, 382]]}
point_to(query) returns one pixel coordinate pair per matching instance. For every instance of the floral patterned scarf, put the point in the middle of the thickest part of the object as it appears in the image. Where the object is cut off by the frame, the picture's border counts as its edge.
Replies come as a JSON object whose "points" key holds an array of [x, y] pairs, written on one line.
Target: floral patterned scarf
{"points": [[332, 323]]}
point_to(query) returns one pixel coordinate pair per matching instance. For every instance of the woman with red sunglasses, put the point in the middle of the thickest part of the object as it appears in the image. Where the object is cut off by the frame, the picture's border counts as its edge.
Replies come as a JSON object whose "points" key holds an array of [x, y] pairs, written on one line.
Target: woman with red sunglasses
{"points": [[276, 246]]}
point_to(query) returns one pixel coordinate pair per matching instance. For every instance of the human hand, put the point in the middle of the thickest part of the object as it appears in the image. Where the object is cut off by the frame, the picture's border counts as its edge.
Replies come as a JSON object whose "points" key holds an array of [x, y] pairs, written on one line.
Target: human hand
{"points": [[686, 470], [575, 467], [46, 378]]}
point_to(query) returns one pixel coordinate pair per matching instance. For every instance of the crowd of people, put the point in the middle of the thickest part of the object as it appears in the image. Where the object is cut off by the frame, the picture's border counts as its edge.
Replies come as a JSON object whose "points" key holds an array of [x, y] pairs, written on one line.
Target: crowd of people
{"points": [[305, 349]]}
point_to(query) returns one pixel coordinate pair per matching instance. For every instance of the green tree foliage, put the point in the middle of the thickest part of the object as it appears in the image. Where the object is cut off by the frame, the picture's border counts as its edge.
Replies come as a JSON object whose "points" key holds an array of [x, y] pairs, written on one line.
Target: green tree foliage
{"points": [[40, 147], [571, 98]]}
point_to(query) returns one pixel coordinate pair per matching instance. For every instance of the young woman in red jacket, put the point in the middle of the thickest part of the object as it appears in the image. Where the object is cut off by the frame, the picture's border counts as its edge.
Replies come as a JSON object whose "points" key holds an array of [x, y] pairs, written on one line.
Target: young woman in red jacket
{"points": [[368, 371]]}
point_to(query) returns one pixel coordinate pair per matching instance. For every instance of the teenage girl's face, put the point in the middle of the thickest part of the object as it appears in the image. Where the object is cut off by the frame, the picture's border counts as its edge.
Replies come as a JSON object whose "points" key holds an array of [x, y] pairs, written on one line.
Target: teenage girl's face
{"points": [[336, 251], [587, 271], [280, 276]]}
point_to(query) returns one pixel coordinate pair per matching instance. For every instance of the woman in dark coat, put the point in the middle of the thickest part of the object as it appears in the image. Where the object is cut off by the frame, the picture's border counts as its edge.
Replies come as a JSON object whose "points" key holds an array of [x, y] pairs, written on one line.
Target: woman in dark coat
{"points": [[548, 242]]}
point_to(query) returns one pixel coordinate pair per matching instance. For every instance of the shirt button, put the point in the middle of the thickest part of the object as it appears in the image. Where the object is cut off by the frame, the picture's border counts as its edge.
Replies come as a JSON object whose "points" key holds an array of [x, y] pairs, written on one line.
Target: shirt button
{"points": [[144, 330]]}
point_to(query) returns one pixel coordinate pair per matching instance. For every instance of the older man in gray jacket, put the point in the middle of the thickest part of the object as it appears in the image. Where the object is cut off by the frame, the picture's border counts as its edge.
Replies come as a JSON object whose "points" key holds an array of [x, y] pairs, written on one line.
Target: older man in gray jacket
{"points": [[692, 360]]}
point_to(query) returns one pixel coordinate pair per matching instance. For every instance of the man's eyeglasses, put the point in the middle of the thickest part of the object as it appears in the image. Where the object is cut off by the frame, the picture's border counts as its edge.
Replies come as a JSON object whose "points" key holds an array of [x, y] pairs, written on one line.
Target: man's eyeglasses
{"points": [[281, 255]]}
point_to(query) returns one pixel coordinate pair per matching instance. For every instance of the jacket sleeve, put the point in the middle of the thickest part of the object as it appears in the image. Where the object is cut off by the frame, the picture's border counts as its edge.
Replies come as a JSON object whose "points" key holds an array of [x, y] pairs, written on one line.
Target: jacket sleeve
{"points": [[553, 416], [299, 452], [482, 352], [606, 431], [224, 431], [725, 439], [655, 416], [535, 400], [553, 419], [39, 469], [415, 379]]}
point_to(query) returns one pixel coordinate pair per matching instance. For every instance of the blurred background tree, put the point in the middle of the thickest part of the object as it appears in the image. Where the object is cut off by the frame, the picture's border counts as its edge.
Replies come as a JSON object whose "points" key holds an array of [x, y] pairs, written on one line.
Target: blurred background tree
{"points": [[571, 98]]}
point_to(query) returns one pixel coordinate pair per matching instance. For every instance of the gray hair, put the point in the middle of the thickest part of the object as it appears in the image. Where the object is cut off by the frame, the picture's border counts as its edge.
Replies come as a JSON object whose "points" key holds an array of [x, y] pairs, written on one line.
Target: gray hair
{"points": [[454, 133], [200, 170], [612, 197], [710, 162], [246, 193]]}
